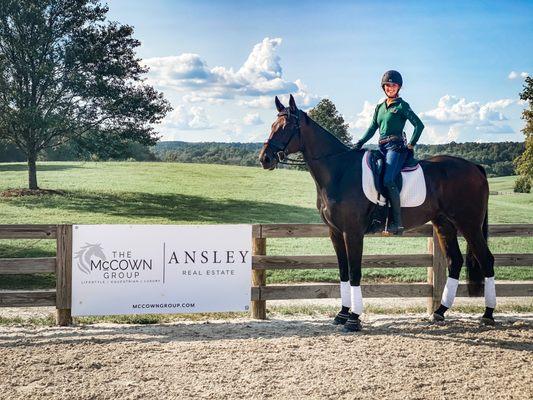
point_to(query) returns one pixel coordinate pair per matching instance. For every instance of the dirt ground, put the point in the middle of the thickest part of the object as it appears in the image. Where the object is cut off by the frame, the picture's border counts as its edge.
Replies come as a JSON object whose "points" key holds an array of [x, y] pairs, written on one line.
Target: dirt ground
{"points": [[397, 357]]}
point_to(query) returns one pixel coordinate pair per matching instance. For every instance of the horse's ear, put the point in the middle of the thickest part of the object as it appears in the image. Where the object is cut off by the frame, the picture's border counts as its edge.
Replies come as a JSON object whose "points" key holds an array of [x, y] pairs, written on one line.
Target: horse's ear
{"points": [[292, 104], [279, 106]]}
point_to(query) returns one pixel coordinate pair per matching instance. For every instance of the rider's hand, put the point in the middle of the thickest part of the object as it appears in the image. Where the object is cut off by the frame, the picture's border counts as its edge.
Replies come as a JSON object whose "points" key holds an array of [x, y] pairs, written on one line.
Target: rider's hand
{"points": [[358, 145], [410, 146]]}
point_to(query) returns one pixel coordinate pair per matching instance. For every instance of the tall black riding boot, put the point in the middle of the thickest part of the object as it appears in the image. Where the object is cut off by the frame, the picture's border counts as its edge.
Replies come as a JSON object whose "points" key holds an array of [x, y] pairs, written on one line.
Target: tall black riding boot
{"points": [[396, 227]]}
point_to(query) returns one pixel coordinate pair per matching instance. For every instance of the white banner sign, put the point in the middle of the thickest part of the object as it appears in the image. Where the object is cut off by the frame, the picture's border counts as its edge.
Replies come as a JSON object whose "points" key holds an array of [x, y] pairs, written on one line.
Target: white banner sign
{"points": [[149, 269]]}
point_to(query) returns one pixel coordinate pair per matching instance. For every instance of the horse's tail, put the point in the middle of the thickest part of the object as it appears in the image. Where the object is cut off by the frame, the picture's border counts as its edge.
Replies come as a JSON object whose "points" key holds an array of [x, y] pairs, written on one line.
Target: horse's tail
{"points": [[474, 273]]}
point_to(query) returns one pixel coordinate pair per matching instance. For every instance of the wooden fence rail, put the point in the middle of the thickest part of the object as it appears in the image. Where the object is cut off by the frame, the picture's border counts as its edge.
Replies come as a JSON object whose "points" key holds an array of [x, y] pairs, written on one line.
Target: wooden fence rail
{"points": [[434, 261]]}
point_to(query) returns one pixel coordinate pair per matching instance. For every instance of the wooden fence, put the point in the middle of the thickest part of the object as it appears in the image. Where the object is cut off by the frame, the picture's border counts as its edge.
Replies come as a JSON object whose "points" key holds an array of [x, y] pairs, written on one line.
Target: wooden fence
{"points": [[434, 261]]}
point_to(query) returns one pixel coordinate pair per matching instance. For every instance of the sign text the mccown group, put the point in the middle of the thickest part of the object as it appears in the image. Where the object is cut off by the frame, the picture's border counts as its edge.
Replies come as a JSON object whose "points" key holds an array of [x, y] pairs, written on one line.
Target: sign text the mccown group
{"points": [[122, 265]]}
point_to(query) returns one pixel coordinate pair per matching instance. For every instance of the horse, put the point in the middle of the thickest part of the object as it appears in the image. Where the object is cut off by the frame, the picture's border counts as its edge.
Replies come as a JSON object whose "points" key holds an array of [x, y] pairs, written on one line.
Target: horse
{"points": [[456, 200]]}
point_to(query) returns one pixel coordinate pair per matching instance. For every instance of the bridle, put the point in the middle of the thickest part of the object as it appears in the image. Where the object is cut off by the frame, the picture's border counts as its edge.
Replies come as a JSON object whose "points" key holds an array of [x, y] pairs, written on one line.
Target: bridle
{"points": [[280, 149]]}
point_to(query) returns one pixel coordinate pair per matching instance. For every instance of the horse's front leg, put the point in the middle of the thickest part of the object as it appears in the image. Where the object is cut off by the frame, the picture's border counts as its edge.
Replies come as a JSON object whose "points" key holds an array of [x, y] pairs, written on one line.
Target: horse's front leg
{"points": [[342, 258], [354, 249]]}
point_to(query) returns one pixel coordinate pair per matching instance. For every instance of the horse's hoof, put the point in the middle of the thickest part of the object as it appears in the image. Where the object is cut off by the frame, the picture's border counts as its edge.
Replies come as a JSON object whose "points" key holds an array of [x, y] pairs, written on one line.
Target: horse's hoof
{"points": [[352, 325], [487, 321], [340, 319], [436, 317]]}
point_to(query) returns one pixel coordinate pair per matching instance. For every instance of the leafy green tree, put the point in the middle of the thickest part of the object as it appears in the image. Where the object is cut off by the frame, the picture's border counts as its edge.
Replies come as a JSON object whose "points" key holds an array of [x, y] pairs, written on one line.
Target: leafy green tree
{"points": [[326, 115], [67, 73], [524, 163]]}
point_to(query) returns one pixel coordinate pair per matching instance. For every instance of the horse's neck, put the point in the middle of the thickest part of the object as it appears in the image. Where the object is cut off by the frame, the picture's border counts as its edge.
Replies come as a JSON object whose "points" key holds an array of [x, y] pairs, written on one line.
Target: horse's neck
{"points": [[318, 147]]}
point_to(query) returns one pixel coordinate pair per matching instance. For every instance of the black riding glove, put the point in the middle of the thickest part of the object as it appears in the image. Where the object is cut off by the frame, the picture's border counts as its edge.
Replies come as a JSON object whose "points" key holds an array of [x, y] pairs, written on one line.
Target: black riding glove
{"points": [[358, 145]]}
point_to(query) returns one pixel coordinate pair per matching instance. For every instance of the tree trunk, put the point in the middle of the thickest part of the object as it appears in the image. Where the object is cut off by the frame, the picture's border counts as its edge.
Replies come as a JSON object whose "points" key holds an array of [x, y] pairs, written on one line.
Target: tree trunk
{"points": [[32, 171]]}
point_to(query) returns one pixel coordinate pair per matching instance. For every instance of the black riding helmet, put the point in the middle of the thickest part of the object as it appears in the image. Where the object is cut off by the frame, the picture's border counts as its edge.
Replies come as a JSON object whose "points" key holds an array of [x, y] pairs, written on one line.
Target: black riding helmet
{"points": [[391, 77]]}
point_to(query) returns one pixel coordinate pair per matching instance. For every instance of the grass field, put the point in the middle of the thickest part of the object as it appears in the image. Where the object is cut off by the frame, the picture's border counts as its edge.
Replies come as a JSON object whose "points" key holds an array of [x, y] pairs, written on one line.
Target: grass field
{"points": [[170, 193]]}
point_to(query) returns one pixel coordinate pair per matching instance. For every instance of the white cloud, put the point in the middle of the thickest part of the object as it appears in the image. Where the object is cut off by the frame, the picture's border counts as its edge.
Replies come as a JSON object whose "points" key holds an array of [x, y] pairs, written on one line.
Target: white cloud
{"points": [[231, 131], [453, 109], [456, 119], [252, 119], [258, 102], [187, 119], [209, 97], [260, 75], [453, 119], [514, 75], [253, 85], [364, 118], [303, 98]]}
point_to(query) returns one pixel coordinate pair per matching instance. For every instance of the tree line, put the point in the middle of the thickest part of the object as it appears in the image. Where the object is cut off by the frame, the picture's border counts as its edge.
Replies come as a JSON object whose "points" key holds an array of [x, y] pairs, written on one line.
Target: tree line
{"points": [[497, 158]]}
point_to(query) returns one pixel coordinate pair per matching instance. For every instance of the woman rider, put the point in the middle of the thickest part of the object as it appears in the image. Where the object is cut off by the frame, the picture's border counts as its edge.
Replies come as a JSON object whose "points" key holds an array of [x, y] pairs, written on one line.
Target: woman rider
{"points": [[390, 117]]}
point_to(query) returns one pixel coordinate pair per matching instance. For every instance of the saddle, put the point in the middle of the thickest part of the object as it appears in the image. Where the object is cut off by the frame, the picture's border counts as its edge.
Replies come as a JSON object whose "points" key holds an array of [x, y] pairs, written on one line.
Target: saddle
{"points": [[376, 162]]}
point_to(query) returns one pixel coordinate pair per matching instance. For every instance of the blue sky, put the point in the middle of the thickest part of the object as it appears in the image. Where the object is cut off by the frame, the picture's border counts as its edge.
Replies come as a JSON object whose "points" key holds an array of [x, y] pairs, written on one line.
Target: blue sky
{"points": [[221, 63]]}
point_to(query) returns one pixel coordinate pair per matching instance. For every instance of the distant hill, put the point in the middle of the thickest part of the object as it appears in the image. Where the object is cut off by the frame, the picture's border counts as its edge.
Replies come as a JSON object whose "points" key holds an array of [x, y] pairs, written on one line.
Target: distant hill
{"points": [[209, 152], [497, 158]]}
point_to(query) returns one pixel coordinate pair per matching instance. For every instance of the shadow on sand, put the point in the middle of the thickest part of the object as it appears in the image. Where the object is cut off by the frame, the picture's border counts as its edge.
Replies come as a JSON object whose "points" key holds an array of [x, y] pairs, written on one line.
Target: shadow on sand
{"points": [[466, 332]]}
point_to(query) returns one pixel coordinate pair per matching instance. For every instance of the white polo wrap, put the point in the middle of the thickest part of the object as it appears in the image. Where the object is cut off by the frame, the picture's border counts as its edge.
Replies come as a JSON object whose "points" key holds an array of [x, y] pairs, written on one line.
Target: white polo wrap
{"points": [[490, 292], [345, 294], [357, 299], [450, 290]]}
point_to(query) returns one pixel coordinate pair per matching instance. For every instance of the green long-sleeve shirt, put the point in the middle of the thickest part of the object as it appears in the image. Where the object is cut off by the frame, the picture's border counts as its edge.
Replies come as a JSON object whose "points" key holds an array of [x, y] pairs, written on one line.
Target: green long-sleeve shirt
{"points": [[391, 120]]}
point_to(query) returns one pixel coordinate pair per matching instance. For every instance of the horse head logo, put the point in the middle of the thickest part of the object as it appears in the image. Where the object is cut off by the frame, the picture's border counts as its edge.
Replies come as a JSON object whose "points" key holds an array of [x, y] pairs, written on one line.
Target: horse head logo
{"points": [[84, 255]]}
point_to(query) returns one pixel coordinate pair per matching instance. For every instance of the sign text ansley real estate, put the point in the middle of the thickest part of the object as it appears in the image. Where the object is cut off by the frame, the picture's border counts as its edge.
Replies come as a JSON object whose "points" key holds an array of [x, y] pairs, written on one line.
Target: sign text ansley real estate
{"points": [[140, 269]]}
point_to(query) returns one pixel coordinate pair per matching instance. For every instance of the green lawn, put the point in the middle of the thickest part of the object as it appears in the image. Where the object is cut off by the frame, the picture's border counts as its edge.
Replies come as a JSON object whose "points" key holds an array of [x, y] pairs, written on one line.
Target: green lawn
{"points": [[171, 193]]}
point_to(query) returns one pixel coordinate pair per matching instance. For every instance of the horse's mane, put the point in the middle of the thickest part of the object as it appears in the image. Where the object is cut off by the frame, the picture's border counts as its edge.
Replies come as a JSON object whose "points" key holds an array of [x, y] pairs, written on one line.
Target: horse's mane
{"points": [[332, 136]]}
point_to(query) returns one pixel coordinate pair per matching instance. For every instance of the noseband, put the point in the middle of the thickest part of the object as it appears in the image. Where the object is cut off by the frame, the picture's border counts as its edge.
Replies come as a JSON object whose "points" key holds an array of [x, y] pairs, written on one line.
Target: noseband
{"points": [[280, 149]]}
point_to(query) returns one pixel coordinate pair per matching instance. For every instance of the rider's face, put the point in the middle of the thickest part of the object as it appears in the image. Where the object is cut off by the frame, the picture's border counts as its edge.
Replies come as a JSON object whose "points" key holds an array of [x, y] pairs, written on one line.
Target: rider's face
{"points": [[391, 89]]}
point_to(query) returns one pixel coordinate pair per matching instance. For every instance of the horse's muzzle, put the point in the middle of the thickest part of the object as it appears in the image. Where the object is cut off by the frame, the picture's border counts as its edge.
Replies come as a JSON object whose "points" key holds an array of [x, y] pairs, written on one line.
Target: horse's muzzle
{"points": [[267, 159]]}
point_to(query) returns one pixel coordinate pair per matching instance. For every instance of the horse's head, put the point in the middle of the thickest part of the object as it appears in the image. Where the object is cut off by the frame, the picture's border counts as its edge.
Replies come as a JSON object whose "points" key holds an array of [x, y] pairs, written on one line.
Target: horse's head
{"points": [[285, 137]]}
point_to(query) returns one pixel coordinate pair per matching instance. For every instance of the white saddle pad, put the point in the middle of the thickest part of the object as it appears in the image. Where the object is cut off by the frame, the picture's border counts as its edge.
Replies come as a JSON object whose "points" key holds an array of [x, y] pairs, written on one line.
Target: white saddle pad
{"points": [[413, 191]]}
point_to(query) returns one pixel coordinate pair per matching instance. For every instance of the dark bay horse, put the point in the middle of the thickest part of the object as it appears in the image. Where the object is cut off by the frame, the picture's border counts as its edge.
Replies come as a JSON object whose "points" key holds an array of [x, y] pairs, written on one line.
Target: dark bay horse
{"points": [[456, 200]]}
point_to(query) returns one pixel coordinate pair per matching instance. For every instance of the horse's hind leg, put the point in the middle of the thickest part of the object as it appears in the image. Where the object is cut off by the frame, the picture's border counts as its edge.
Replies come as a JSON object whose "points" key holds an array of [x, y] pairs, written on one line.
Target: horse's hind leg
{"points": [[447, 236], [477, 245], [340, 250]]}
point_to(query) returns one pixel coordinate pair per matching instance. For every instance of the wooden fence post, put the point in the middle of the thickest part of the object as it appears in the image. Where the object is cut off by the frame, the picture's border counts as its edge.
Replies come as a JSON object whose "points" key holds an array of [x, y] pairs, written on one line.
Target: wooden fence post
{"points": [[437, 273], [64, 275], [259, 279]]}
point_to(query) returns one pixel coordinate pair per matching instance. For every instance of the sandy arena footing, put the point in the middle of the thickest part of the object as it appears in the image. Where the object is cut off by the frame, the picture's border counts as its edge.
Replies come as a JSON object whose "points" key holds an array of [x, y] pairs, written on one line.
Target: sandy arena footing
{"points": [[397, 357]]}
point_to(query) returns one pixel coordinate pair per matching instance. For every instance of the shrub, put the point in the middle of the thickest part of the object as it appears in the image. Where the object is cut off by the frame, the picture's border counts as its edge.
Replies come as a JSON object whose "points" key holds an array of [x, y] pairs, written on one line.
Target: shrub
{"points": [[522, 185]]}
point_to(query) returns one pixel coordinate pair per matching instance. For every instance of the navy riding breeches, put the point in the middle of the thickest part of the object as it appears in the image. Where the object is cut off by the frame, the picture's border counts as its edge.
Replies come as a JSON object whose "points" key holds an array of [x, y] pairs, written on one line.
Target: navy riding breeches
{"points": [[395, 154]]}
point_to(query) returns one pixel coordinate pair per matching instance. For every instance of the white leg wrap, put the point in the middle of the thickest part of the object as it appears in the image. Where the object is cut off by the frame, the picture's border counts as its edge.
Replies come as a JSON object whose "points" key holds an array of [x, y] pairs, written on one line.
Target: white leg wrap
{"points": [[345, 294], [490, 293], [357, 299], [450, 290]]}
